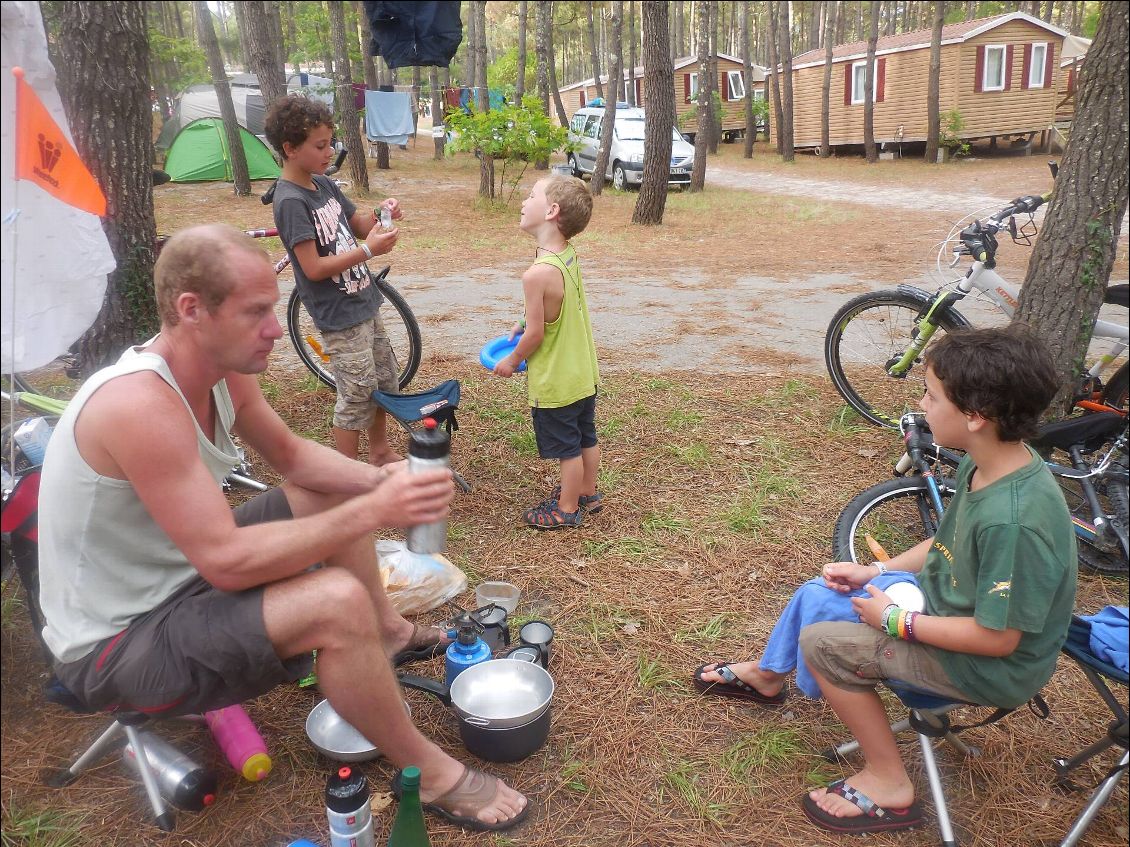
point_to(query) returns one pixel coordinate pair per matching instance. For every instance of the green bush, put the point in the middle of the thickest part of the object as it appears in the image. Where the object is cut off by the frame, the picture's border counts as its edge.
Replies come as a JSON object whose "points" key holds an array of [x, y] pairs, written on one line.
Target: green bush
{"points": [[949, 136]]}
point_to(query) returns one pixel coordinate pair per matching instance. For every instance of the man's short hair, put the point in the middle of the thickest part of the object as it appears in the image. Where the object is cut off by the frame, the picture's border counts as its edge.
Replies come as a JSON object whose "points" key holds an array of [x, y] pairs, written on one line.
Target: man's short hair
{"points": [[198, 260], [1005, 375], [573, 198], [291, 118]]}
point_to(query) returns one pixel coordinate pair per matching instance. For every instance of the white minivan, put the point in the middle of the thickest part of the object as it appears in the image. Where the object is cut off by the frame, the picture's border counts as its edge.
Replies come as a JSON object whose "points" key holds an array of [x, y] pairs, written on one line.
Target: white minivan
{"points": [[625, 160]]}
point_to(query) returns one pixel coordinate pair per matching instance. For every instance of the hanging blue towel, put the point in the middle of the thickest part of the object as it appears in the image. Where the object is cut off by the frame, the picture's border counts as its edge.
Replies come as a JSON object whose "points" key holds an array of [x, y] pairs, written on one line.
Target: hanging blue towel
{"points": [[388, 116], [1110, 633], [812, 603]]}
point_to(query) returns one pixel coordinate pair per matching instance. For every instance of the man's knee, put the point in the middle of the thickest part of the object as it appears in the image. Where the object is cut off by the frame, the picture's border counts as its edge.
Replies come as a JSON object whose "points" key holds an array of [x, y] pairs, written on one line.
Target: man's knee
{"points": [[333, 603], [304, 501]]}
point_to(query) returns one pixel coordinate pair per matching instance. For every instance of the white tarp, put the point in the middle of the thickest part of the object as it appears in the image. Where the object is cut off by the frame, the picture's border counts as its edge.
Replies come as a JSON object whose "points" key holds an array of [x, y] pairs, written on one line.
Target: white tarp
{"points": [[53, 292]]}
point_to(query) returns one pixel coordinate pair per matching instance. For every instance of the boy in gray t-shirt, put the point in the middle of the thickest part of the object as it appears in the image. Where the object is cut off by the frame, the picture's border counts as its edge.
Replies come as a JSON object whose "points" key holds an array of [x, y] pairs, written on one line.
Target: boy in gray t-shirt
{"points": [[320, 228]]}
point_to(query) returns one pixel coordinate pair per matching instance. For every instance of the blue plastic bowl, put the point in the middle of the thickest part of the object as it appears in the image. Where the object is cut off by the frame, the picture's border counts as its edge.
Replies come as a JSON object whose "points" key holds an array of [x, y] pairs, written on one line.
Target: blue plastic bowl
{"points": [[498, 349]]}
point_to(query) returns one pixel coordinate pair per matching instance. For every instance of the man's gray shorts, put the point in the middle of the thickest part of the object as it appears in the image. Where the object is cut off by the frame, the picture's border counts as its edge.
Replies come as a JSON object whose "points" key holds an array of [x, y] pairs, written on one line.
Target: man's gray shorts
{"points": [[200, 649]]}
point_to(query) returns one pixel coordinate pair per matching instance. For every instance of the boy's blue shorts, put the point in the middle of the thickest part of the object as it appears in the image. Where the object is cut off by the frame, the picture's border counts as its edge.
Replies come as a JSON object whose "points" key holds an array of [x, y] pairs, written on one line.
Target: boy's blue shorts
{"points": [[563, 432]]}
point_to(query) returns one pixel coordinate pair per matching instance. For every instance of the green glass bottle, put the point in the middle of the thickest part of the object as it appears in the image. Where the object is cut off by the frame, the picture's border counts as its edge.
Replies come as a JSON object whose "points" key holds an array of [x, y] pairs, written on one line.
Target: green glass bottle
{"points": [[408, 828]]}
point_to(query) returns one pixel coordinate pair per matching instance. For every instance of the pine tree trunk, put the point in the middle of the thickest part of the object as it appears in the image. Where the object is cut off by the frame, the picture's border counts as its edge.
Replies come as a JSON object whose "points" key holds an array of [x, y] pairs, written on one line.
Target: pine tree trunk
{"points": [[631, 98], [344, 100], [112, 128], [701, 142], [785, 52], [562, 117], [262, 50], [774, 64], [542, 12], [365, 38], [831, 16], [869, 87], [933, 95], [439, 139], [615, 72], [1072, 260], [207, 33], [747, 79], [659, 119], [593, 52], [714, 134], [523, 22], [486, 163]]}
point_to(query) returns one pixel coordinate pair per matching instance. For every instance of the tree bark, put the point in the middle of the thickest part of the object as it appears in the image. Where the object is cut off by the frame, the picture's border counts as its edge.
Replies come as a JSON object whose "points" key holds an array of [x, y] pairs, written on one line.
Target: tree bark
{"points": [[365, 38], [351, 120], [470, 52], [933, 95], [831, 16], [785, 51], [869, 87], [615, 72], [747, 79], [562, 116], [631, 98], [523, 21], [701, 142], [439, 140], [486, 163], [774, 63], [241, 183], [1072, 260], [659, 119], [262, 49], [542, 12], [714, 132], [593, 52], [112, 131]]}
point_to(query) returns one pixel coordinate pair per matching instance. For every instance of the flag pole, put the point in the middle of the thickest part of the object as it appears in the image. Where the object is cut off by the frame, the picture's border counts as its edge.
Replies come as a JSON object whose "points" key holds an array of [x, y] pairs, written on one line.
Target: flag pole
{"points": [[12, 217]]}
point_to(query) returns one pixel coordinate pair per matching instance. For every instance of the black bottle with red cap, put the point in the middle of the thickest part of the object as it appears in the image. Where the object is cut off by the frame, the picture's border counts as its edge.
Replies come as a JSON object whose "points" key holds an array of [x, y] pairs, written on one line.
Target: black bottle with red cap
{"points": [[348, 809]]}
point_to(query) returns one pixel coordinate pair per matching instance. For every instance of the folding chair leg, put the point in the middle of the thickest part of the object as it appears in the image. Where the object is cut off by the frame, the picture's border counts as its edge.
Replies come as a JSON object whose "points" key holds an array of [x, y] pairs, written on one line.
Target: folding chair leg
{"points": [[934, 776], [161, 813], [1098, 800], [93, 753], [464, 486]]}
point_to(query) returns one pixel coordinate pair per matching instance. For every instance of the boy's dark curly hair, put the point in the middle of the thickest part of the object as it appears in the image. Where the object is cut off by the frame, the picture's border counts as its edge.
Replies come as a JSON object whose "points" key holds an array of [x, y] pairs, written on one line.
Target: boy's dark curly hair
{"points": [[1005, 375], [291, 118]]}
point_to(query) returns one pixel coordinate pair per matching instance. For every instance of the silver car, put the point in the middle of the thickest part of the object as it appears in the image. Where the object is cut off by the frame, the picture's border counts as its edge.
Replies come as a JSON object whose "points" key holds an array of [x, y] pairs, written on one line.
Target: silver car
{"points": [[625, 160]]}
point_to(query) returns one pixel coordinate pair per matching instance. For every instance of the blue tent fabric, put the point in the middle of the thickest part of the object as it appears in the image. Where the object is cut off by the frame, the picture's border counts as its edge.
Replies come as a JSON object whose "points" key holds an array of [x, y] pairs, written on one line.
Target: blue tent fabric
{"points": [[388, 116]]}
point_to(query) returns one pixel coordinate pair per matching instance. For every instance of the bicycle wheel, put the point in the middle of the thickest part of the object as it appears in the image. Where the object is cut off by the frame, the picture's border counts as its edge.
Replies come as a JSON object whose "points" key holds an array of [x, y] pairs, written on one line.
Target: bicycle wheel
{"points": [[1116, 391], [1108, 554], [897, 513], [400, 324], [867, 335]]}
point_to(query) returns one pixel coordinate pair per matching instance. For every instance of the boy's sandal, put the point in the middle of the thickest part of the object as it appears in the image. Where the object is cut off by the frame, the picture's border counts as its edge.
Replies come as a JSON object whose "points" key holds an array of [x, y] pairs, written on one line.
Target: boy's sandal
{"points": [[589, 502], [874, 818], [462, 803], [732, 686], [548, 515]]}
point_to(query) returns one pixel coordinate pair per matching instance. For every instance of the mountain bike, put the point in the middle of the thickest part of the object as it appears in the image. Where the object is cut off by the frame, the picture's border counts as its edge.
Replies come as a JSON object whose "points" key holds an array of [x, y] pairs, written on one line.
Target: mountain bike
{"points": [[874, 344], [897, 514]]}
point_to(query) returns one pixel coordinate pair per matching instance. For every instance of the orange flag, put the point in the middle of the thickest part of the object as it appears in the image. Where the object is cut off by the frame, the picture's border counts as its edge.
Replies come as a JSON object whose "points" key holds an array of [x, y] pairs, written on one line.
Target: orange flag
{"points": [[47, 158]]}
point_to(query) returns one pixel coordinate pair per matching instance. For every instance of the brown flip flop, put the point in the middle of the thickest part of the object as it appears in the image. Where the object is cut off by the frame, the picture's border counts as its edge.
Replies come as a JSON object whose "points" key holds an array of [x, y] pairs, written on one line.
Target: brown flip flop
{"points": [[471, 793], [421, 645], [732, 686]]}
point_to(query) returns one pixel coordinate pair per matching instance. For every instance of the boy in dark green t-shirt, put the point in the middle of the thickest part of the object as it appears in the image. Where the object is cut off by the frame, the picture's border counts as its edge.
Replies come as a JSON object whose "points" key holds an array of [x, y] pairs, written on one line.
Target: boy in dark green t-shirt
{"points": [[998, 577]]}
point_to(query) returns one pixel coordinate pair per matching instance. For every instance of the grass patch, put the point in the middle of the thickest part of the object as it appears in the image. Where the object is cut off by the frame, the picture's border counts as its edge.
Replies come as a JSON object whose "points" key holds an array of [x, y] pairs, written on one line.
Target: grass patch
{"points": [[571, 775], [665, 522], [681, 419], [769, 748], [713, 630], [600, 621], [682, 781], [696, 454], [847, 422], [653, 674], [24, 827], [11, 607], [608, 479], [524, 443], [610, 428]]}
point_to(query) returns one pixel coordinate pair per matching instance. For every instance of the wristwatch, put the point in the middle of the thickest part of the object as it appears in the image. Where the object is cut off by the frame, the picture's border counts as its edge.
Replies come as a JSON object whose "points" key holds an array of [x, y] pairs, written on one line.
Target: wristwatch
{"points": [[882, 568]]}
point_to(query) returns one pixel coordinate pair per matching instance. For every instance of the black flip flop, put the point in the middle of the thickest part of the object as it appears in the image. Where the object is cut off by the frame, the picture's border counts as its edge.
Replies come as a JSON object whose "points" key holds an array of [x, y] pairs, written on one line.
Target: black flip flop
{"points": [[874, 818], [734, 687], [471, 823]]}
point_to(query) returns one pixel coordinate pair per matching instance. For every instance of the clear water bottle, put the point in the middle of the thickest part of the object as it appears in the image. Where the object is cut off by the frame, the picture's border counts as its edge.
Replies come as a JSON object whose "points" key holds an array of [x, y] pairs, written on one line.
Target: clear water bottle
{"points": [[180, 780], [428, 448], [348, 809]]}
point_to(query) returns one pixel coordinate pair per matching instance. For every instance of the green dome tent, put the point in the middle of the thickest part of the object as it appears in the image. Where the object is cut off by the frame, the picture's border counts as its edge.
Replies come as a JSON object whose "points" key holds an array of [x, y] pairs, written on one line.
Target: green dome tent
{"points": [[199, 153]]}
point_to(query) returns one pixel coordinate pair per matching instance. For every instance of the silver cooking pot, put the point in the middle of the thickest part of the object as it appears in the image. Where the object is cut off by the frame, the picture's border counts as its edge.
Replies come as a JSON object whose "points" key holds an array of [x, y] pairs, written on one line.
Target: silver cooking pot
{"points": [[496, 694]]}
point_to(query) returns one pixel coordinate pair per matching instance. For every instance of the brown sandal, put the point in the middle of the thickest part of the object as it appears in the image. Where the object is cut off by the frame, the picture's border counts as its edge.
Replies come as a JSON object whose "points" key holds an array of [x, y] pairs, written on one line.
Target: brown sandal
{"points": [[469, 795], [421, 645]]}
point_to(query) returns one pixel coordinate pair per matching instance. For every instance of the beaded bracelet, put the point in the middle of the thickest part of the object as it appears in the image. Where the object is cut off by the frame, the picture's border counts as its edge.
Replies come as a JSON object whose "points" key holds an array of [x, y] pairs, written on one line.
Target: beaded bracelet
{"points": [[910, 619]]}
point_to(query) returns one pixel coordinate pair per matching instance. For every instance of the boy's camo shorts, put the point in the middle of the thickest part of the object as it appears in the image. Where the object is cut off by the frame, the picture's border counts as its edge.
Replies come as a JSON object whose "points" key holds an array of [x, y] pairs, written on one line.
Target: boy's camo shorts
{"points": [[362, 360]]}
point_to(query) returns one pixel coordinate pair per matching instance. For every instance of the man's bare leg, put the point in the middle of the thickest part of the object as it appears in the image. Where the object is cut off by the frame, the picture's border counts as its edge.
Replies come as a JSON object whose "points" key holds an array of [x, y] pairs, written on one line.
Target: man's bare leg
{"points": [[331, 611], [360, 559]]}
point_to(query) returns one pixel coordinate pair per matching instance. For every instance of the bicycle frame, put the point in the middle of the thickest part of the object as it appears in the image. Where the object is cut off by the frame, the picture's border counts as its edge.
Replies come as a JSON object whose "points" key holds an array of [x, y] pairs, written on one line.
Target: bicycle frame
{"points": [[1004, 295]]}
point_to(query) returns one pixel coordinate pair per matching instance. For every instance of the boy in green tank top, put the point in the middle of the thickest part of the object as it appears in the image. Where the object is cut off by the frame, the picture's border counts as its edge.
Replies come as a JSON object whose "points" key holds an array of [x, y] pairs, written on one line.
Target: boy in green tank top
{"points": [[998, 578], [557, 344]]}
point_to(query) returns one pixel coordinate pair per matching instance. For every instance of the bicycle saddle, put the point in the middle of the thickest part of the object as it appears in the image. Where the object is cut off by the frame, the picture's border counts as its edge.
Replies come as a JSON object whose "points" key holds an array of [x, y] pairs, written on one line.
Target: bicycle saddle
{"points": [[1088, 432]]}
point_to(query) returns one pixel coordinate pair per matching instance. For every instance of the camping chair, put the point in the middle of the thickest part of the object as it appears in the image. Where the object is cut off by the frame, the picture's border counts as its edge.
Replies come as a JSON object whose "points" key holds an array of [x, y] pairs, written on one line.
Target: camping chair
{"points": [[929, 719], [438, 403], [1097, 671]]}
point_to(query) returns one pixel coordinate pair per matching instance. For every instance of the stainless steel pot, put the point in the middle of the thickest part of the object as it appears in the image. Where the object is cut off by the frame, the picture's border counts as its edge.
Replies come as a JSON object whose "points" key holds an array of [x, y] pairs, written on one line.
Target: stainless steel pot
{"points": [[496, 694]]}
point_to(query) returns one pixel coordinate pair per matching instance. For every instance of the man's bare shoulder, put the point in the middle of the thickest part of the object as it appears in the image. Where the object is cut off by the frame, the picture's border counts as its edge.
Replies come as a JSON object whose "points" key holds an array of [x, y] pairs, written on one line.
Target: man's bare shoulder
{"points": [[141, 397]]}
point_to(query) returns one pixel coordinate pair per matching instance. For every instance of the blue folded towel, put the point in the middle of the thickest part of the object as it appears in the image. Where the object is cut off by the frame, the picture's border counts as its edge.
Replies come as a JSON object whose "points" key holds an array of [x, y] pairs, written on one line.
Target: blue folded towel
{"points": [[1110, 633]]}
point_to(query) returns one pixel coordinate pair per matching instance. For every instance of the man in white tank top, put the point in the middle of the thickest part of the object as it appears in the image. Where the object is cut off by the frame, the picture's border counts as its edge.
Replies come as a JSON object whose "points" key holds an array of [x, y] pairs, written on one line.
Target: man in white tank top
{"points": [[157, 596]]}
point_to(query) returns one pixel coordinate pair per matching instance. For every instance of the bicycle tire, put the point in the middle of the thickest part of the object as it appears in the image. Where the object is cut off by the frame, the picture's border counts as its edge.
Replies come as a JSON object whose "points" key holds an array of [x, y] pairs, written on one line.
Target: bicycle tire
{"points": [[898, 513], [403, 333], [1111, 555], [1117, 391], [867, 333]]}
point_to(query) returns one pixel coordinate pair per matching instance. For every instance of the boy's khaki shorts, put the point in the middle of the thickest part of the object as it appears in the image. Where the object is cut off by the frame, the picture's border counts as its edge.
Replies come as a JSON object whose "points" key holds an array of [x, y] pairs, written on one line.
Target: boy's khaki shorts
{"points": [[362, 360], [855, 657]]}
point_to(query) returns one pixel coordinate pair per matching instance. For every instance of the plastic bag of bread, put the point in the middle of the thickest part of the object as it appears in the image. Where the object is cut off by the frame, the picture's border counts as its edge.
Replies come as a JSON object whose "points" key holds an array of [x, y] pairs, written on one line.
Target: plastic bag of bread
{"points": [[417, 582]]}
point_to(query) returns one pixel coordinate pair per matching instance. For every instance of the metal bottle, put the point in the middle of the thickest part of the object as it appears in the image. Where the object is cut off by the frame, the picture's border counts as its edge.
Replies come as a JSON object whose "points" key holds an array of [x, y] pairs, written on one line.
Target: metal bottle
{"points": [[348, 809], [428, 449], [180, 780]]}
